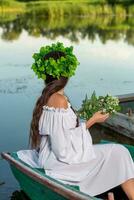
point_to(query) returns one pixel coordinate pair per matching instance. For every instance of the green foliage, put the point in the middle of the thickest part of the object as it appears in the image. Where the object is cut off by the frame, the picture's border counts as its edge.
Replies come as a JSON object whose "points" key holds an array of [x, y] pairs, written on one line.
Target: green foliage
{"points": [[73, 21], [106, 104], [64, 66], [112, 2]]}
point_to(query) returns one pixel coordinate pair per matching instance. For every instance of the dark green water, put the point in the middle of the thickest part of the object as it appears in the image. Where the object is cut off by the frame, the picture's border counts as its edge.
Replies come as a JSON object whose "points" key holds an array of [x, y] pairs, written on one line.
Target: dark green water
{"points": [[104, 45]]}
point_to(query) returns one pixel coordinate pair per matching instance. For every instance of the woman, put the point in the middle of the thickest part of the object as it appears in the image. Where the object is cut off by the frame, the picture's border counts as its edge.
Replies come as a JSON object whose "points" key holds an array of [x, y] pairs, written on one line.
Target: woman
{"points": [[65, 145]]}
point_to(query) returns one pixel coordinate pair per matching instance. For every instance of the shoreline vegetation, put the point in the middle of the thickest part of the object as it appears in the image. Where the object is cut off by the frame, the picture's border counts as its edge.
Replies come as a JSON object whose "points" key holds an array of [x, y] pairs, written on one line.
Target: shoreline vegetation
{"points": [[109, 22], [9, 6], [68, 7], [19, 6]]}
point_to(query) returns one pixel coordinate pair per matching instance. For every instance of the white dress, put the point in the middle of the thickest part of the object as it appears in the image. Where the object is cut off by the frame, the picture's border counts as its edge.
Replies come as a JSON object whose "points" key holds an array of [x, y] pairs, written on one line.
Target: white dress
{"points": [[67, 154]]}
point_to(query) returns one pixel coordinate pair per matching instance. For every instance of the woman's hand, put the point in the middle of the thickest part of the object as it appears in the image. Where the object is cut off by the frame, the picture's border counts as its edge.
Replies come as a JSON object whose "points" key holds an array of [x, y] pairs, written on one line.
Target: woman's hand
{"points": [[98, 117]]}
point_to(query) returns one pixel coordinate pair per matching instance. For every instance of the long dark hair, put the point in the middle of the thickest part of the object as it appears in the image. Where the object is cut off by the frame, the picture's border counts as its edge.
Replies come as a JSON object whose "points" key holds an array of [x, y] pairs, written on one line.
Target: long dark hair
{"points": [[52, 85]]}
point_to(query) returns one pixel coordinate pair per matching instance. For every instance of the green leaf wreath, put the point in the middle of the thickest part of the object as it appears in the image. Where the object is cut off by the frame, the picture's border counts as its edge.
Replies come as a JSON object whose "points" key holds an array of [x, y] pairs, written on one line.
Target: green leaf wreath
{"points": [[64, 66]]}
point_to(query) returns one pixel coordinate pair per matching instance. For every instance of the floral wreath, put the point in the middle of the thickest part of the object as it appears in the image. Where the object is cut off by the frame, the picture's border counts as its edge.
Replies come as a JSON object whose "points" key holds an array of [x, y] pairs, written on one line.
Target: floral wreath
{"points": [[64, 66]]}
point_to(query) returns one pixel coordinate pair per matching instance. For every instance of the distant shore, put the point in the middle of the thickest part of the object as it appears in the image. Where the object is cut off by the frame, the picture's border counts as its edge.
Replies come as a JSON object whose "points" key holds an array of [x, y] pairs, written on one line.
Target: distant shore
{"points": [[18, 6]]}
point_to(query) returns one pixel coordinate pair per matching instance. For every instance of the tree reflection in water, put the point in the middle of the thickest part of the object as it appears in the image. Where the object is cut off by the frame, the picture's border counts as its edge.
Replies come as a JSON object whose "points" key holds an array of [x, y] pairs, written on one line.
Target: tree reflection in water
{"points": [[72, 22]]}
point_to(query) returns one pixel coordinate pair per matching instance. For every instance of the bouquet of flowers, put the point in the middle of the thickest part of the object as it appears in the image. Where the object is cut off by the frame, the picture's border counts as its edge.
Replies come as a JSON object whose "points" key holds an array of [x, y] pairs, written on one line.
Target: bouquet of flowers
{"points": [[106, 104]]}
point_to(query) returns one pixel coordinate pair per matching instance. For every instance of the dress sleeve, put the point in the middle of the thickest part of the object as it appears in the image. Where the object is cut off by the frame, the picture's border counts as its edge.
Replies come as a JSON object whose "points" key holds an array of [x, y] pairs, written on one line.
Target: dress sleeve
{"points": [[70, 145]]}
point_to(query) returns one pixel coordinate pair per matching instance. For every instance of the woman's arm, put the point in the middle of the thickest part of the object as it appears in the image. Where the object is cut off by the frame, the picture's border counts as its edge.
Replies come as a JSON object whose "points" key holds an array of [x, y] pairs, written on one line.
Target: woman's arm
{"points": [[98, 117], [58, 100]]}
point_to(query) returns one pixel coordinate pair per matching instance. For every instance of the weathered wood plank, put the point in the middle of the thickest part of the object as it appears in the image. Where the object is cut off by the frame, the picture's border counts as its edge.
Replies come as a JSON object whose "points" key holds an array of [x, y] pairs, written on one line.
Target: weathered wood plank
{"points": [[126, 97], [122, 124]]}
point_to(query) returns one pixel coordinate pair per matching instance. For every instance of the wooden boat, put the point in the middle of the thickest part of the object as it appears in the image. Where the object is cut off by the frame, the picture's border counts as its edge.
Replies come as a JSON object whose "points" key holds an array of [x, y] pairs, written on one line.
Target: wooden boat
{"points": [[123, 123], [38, 186]]}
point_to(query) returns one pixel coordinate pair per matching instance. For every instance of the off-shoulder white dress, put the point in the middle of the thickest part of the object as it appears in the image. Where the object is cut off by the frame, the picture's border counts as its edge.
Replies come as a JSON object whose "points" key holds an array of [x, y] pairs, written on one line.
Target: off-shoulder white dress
{"points": [[67, 154]]}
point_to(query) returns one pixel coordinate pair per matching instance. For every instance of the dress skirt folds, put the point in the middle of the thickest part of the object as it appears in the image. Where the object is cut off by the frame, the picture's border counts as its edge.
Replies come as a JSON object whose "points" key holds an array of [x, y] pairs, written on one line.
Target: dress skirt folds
{"points": [[67, 154]]}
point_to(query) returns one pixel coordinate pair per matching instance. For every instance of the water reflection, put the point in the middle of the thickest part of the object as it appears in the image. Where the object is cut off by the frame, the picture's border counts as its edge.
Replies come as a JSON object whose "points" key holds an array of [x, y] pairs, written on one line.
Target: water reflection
{"points": [[20, 85], [87, 21]]}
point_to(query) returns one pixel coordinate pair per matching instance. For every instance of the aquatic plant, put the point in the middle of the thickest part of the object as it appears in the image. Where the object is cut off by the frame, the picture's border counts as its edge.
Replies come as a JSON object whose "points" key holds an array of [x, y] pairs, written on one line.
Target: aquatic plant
{"points": [[106, 104]]}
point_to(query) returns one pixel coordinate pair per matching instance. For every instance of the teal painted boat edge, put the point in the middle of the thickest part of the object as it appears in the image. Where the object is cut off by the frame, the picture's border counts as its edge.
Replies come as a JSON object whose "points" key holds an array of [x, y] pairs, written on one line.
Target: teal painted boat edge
{"points": [[41, 171], [33, 189], [129, 147], [62, 189]]}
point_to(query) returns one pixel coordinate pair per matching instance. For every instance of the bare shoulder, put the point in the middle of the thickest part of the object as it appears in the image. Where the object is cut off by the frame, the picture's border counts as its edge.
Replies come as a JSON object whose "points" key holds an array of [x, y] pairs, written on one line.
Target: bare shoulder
{"points": [[57, 101]]}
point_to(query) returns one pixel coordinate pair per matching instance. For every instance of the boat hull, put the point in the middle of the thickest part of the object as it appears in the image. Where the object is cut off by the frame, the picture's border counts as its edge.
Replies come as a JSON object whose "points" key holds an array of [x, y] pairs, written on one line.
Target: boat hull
{"points": [[122, 124], [38, 186], [33, 189]]}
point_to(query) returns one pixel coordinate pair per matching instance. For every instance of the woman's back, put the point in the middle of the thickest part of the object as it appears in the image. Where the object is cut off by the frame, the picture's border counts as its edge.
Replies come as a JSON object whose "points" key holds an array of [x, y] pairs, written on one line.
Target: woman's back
{"points": [[67, 143]]}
